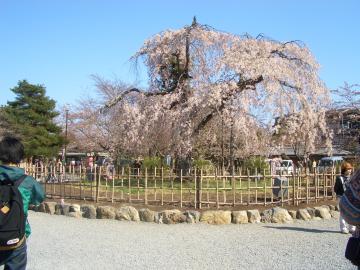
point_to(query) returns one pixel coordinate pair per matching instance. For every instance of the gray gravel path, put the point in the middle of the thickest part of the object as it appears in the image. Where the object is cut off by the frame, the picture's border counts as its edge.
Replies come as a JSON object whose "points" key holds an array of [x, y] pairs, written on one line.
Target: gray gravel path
{"points": [[60, 242]]}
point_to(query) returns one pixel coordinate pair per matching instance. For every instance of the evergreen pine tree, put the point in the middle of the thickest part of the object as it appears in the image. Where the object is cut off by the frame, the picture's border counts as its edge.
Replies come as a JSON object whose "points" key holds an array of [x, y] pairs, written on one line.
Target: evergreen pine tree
{"points": [[31, 117]]}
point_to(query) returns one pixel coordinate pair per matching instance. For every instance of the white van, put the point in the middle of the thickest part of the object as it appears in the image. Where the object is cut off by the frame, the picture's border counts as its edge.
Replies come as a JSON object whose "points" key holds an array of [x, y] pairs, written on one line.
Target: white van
{"points": [[286, 166], [326, 164]]}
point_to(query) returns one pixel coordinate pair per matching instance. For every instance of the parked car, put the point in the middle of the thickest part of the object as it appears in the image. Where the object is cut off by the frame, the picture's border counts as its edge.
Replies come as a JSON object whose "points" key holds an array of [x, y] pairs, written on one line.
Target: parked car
{"points": [[102, 161], [327, 164], [286, 167]]}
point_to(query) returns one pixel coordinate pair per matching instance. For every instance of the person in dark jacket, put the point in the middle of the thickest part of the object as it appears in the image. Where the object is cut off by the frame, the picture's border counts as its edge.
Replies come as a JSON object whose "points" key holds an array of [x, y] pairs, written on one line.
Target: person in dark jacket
{"points": [[341, 183], [11, 153]]}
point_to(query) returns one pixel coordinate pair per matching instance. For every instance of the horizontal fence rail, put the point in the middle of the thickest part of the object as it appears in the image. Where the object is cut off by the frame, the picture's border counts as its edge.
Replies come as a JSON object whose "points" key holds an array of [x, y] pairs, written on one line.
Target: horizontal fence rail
{"points": [[195, 188]]}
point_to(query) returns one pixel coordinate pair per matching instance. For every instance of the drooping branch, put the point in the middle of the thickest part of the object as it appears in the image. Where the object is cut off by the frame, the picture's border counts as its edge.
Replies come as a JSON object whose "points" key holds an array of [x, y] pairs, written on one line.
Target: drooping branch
{"points": [[242, 86], [280, 53], [120, 97], [286, 84]]}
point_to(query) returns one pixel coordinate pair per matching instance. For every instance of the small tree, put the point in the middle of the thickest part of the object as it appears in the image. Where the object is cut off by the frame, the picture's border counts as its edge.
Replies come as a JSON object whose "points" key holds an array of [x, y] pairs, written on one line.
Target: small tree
{"points": [[348, 96], [31, 117], [346, 118]]}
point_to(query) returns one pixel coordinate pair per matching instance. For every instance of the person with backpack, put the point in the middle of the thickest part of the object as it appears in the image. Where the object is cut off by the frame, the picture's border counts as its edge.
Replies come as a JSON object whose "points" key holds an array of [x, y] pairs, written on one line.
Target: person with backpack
{"points": [[350, 210], [341, 184], [17, 192]]}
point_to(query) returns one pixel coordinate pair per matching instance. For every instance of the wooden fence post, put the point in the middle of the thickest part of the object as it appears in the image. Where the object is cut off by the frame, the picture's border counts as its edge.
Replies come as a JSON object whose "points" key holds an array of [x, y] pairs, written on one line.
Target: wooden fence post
{"points": [[155, 186], [200, 188], [281, 189], [294, 187], [248, 178], [217, 189], [162, 186], [264, 173], [224, 179], [129, 184], [80, 180], [196, 197], [172, 185], [240, 184], [181, 191], [93, 181], [207, 191], [233, 182], [113, 185], [122, 182], [256, 185], [138, 183], [98, 185], [145, 187]]}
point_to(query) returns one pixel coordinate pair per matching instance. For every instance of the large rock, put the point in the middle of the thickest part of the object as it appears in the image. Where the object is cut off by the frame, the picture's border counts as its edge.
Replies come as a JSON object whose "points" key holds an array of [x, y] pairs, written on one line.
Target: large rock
{"points": [[105, 212], [332, 207], [172, 216], [266, 216], [75, 208], [292, 213], [281, 215], [41, 208], [76, 214], [335, 214], [146, 215], [158, 218], [216, 217], [239, 217], [62, 209], [33, 207], [58, 209], [311, 211], [303, 214], [88, 211], [74, 211], [127, 213], [65, 209], [192, 216], [50, 207], [326, 206], [253, 216], [322, 212]]}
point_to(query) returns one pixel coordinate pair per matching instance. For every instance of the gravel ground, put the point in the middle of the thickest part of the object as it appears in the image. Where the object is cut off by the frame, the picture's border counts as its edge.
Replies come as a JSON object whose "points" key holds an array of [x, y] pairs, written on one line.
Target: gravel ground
{"points": [[60, 242]]}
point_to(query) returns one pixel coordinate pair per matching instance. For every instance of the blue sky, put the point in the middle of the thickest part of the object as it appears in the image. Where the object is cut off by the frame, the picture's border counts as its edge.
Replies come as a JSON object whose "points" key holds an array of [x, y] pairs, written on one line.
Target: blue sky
{"points": [[60, 43]]}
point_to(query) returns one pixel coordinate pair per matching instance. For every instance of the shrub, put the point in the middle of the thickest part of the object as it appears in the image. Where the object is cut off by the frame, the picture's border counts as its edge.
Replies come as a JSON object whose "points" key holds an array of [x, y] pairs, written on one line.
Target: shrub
{"points": [[203, 164], [253, 163], [153, 162]]}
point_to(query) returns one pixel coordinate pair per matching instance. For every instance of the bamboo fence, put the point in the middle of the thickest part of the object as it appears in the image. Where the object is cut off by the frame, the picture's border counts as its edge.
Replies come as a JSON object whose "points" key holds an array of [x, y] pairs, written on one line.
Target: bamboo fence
{"points": [[196, 188]]}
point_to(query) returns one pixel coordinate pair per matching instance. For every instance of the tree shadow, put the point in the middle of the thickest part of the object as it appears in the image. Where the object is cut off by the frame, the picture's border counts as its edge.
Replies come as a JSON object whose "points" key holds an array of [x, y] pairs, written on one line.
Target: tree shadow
{"points": [[301, 229]]}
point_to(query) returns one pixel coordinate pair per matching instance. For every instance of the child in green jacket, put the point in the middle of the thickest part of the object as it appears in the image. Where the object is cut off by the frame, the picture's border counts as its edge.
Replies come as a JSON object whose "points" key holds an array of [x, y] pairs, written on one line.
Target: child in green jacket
{"points": [[11, 153]]}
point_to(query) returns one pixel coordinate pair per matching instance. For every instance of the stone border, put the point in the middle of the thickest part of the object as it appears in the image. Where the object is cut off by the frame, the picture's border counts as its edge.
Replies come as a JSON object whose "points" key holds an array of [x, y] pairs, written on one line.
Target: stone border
{"points": [[174, 216]]}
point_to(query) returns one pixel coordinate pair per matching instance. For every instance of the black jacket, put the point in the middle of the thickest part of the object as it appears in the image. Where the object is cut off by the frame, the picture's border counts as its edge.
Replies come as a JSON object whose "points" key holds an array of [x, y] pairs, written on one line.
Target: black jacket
{"points": [[340, 184]]}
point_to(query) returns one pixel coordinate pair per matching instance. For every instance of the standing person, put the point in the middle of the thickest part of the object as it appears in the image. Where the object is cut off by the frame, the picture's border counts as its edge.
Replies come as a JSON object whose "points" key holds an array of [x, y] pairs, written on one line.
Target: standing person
{"points": [[350, 210], [314, 166], [17, 191], [341, 184]]}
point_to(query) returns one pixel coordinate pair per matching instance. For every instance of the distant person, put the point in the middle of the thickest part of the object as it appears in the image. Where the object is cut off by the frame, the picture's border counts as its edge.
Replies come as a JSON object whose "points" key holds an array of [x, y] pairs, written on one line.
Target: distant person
{"points": [[90, 162], [17, 191], [341, 184], [110, 169], [137, 163], [314, 166]]}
